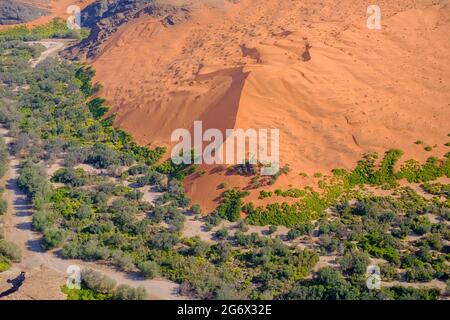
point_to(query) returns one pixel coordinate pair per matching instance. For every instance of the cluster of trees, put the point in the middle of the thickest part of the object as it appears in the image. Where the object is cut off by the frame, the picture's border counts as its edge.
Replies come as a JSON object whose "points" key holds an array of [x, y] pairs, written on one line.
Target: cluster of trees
{"points": [[330, 284], [231, 205], [302, 229], [12, 66], [153, 178], [96, 286], [381, 226], [71, 177]]}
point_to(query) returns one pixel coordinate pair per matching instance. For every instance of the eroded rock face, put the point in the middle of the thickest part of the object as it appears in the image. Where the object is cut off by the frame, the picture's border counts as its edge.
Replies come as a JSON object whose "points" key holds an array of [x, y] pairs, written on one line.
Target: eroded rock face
{"points": [[14, 12], [104, 17]]}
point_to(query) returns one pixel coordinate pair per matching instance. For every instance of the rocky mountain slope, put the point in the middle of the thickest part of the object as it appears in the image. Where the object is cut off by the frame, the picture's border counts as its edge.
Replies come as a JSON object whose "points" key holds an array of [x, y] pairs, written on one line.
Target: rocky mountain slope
{"points": [[105, 17], [14, 12]]}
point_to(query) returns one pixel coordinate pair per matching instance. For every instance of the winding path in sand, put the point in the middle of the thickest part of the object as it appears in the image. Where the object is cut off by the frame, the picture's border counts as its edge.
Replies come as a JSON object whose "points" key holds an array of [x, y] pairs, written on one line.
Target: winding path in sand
{"points": [[52, 48]]}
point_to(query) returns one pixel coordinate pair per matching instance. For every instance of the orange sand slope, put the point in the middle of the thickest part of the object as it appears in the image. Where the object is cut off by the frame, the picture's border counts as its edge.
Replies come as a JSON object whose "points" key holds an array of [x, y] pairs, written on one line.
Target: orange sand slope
{"points": [[241, 65], [58, 9]]}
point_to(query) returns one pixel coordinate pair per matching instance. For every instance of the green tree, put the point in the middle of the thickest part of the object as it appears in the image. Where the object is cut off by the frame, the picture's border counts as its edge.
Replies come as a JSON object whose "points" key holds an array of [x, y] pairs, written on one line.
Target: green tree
{"points": [[124, 292], [52, 238], [10, 250], [150, 269]]}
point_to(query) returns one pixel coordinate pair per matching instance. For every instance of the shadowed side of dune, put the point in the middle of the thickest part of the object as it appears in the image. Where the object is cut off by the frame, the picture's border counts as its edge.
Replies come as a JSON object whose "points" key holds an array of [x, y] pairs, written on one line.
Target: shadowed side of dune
{"points": [[222, 113]]}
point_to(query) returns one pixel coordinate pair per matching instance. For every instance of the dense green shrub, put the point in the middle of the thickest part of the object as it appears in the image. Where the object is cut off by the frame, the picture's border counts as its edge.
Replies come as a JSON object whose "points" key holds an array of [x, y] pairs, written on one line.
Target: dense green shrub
{"points": [[301, 229], [354, 263], [10, 250], [57, 28], [123, 261], [52, 238], [231, 205], [33, 180], [95, 280], [3, 157], [124, 292], [71, 177], [149, 269], [42, 220]]}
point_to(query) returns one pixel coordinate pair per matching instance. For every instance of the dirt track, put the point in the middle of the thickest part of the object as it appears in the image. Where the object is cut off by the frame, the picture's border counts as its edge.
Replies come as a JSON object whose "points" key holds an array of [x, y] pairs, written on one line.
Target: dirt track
{"points": [[52, 47]]}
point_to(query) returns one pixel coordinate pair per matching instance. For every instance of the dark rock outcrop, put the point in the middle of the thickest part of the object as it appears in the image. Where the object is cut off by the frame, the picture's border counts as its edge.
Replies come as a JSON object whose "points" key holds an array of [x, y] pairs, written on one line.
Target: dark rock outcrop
{"points": [[14, 12], [104, 17]]}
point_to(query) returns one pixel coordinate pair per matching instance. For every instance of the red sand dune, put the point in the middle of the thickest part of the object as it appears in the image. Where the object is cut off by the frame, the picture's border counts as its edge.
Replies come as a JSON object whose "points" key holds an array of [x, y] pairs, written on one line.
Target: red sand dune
{"points": [[362, 90]]}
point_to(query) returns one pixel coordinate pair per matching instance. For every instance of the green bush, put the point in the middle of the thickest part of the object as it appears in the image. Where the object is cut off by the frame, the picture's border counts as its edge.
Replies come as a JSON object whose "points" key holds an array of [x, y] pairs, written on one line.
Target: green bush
{"points": [[125, 292], [196, 209], [149, 269], [52, 238], [5, 264], [3, 157], [231, 205], [10, 250], [354, 263], [96, 281], [300, 230], [222, 233], [57, 28], [33, 180], [389, 273], [42, 220], [123, 261], [71, 177]]}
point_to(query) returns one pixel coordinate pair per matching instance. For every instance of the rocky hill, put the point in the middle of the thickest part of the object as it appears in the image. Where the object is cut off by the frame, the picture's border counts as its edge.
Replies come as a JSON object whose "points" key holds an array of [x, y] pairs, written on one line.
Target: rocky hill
{"points": [[14, 12], [104, 17]]}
